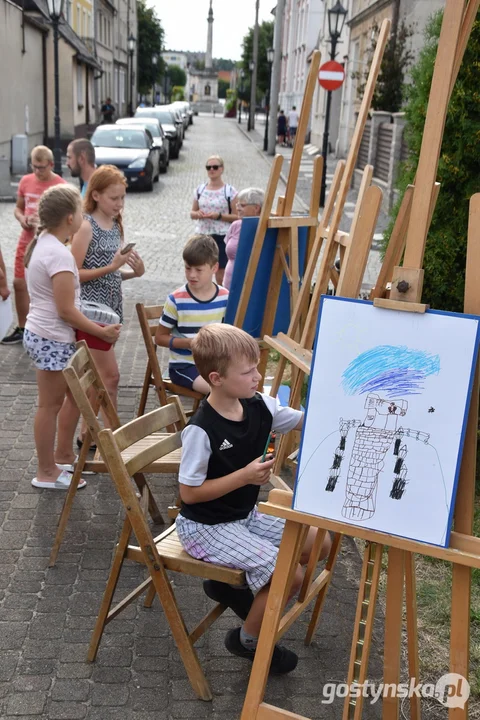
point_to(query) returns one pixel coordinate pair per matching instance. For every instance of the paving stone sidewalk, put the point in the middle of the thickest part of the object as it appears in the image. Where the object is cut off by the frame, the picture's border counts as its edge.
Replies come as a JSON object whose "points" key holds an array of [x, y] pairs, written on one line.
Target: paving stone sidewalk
{"points": [[46, 615]]}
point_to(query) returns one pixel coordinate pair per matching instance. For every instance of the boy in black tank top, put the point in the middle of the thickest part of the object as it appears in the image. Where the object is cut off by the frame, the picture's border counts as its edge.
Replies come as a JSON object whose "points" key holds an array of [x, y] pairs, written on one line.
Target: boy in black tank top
{"points": [[221, 473]]}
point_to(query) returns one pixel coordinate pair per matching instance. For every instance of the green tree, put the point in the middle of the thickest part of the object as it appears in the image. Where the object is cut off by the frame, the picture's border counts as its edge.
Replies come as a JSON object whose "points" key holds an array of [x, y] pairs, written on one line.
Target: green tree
{"points": [[390, 88], [223, 64], [177, 76], [150, 38], [458, 174], [178, 93], [265, 41], [223, 86]]}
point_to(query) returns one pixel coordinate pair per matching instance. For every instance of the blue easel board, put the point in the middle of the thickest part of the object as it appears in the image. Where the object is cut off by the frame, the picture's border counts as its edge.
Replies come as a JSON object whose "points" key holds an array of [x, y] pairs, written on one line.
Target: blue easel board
{"points": [[256, 305]]}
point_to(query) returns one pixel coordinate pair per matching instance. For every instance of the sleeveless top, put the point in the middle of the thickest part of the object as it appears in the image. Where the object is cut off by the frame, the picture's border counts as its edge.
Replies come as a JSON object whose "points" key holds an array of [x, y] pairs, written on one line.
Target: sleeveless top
{"points": [[108, 288], [246, 441]]}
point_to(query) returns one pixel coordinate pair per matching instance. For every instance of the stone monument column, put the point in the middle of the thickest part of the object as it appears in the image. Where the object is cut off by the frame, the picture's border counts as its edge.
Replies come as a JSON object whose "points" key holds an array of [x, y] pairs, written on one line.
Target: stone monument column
{"points": [[208, 55]]}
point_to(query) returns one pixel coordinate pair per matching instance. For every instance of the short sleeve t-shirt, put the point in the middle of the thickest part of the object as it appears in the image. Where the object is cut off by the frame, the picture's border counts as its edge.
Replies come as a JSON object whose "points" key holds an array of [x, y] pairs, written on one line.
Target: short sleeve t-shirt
{"points": [[49, 257], [215, 201], [184, 314], [293, 119], [214, 446], [31, 189]]}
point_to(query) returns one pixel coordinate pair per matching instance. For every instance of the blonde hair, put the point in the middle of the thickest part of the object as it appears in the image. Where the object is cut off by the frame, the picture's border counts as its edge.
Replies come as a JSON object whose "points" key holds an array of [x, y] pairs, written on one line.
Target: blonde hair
{"points": [[216, 157], [102, 178], [56, 204], [218, 345], [42, 153]]}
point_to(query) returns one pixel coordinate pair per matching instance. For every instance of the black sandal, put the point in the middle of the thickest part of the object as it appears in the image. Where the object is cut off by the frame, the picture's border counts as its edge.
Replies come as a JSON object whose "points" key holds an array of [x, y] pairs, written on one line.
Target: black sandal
{"points": [[92, 448]]}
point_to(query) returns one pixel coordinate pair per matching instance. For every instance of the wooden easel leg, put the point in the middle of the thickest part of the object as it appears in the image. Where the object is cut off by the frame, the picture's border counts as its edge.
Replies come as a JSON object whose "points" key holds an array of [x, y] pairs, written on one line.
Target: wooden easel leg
{"points": [[109, 590], [277, 597], [363, 629], [330, 564], [393, 631], [412, 631], [465, 502], [67, 506]]}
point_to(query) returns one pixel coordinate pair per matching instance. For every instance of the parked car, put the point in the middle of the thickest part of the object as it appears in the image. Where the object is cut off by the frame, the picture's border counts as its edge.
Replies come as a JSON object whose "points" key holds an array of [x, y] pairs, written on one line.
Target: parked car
{"points": [[167, 121], [131, 149], [179, 108], [177, 119], [160, 140], [186, 108]]}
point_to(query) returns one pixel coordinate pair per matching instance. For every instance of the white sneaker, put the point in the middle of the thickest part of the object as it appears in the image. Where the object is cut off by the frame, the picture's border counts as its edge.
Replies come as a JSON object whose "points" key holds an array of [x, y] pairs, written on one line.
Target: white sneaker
{"points": [[61, 483]]}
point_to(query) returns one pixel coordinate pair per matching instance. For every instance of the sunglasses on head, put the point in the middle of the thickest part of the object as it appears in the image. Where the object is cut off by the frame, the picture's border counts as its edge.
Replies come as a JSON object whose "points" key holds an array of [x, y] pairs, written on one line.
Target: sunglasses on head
{"points": [[213, 167]]}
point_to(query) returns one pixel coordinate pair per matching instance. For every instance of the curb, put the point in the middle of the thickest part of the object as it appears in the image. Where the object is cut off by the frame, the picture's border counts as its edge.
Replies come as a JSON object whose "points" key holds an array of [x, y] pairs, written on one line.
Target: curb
{"points": [[265, 158]]}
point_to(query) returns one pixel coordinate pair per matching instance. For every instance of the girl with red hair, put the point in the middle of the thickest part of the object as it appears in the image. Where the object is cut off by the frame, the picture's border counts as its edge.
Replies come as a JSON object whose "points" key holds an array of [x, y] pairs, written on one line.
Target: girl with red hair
{"points": [[97, 249]]}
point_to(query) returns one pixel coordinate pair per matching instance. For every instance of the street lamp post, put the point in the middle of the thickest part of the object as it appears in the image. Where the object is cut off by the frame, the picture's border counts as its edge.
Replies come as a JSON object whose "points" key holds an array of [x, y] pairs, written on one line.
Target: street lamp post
{"points": [[240, 90], [154, 67], [131, 49], [55, 9], [270, 56], [251, 67], [336, 20]]}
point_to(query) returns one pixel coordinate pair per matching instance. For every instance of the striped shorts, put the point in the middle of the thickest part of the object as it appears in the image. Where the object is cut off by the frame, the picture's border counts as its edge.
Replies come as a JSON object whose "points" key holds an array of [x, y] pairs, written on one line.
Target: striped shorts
{"points": [[250, 545]]}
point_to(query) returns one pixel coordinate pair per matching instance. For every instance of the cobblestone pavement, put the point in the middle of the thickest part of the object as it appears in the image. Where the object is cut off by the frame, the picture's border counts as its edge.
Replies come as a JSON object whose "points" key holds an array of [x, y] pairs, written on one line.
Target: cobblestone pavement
{"points": [[46, 615]]}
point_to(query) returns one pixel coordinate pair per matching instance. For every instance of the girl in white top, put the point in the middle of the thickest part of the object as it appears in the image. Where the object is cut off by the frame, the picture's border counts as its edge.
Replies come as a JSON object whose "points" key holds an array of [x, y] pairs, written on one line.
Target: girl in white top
{"points": [[49, 338], [215, 208]]}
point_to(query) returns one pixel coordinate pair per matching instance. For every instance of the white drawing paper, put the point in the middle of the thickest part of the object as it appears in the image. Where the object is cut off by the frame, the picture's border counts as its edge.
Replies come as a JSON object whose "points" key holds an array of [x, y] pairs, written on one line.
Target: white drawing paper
{"points": [[386, 414]]}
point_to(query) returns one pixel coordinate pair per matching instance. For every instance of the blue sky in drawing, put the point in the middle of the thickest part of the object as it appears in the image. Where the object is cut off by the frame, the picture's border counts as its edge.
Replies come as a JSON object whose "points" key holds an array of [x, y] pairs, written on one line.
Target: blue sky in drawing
{"points": [[394, 370]]}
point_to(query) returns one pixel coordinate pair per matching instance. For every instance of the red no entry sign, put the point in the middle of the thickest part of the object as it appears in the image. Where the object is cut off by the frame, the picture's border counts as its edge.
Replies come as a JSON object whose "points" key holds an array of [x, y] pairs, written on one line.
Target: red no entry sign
{"points": [[331, 75]]}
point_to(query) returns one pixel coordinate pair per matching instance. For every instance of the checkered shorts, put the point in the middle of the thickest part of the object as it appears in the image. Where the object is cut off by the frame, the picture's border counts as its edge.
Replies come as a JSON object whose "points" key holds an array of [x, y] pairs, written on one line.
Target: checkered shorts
{"points": [[47, 354], [250, 544]]}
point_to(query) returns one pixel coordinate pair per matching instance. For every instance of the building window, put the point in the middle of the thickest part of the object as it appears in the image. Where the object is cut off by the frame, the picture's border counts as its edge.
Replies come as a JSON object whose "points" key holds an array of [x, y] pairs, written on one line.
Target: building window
{"points": [[90, 25], [79, 85], [115, 84], [69, 12], [79, 20], [84, 28]]}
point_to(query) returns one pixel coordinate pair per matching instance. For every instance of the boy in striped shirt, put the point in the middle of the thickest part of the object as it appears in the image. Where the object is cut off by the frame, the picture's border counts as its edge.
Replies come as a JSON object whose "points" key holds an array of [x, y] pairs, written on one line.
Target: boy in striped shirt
{"points": [[197, 303]]}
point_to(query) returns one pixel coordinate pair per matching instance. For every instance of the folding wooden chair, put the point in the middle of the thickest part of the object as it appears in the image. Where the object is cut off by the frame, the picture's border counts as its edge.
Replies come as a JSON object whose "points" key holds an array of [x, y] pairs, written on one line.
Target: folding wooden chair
{"points": [[157, 554], [153, 374], [90, 395]]}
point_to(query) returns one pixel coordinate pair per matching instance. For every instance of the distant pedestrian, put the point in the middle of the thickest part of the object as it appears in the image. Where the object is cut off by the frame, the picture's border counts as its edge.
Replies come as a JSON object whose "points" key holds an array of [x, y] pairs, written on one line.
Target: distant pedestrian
{"points": [[49, 337], [30, 190], [108, 111], [292, 124], [249, 204], [97, 248], [281, 128], [214, 208], [81, 161]]}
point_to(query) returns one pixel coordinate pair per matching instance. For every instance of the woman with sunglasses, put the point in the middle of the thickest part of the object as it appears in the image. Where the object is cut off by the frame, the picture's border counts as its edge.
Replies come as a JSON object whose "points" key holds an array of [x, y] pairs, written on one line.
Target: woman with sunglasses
{"points": [[214, 209]]}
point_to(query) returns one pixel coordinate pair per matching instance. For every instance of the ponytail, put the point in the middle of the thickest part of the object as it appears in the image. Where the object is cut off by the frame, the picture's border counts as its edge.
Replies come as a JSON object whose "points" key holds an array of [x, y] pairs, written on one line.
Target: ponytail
{"points": [[32, 245]]}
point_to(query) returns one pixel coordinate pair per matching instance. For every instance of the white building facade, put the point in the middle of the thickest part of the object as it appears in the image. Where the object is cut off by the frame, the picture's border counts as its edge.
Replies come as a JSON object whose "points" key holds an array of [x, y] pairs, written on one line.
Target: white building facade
{"points": [[305, 29]]}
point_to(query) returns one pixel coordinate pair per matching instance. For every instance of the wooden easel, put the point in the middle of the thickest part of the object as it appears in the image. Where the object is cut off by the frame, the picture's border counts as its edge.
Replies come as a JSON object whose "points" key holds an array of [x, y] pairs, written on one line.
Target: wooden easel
{"points": [[286, 258], [354, 248], [464, 550]]}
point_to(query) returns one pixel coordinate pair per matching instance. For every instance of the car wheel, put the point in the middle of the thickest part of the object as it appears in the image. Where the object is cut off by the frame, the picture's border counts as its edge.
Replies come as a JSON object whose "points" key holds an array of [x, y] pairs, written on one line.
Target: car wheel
{"points": [[149, 186]]}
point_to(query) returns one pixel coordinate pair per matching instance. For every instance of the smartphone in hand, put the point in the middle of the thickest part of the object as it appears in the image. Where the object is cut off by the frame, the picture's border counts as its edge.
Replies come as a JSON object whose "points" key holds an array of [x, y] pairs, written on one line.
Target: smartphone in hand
{"points": [[127, 248]]}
